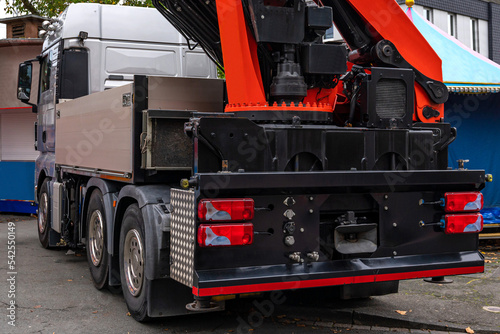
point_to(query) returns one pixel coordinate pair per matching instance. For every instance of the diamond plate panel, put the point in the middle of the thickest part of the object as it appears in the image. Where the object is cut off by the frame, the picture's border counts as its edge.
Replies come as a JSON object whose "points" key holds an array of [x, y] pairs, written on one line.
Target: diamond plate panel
{"points": [[182, 236]]}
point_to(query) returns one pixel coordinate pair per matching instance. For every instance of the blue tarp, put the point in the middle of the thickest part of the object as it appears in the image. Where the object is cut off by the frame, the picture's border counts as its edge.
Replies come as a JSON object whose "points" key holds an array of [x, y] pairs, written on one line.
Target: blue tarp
{"points": [[17, 179], [462, 67], [477, 119]]}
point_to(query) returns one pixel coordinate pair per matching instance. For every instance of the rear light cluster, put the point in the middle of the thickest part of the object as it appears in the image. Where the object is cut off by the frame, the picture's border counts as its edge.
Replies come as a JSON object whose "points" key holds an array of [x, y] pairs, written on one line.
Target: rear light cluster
{"points": [[225, 212], [463, 202], [467, 218], [229, 210], [465, 223]]}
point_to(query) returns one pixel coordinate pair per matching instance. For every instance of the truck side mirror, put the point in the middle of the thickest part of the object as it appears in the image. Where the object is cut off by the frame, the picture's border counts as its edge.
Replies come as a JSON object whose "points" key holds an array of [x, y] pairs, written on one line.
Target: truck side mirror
{"points": [[24, 82], [24, 78]]}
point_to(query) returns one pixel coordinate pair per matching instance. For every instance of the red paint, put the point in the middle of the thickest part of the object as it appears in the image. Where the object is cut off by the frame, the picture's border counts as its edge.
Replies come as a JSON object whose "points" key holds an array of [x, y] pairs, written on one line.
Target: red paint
{"points": [[239, 49], [15, 108], [229, 290], [322, 107]]}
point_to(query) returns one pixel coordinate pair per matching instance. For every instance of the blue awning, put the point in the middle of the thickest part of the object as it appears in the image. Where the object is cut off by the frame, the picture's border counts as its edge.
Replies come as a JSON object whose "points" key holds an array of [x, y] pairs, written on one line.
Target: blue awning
{"points": [[464, 70]]}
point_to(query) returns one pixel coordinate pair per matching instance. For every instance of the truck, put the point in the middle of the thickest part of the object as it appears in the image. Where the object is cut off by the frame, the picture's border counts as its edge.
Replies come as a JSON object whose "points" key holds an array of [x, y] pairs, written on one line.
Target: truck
{"points": [[310, 165]]}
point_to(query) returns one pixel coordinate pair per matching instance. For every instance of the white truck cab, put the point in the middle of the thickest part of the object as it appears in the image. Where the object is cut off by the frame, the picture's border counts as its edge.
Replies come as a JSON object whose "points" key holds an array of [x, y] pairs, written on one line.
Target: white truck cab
{"points": [[92, 47]]}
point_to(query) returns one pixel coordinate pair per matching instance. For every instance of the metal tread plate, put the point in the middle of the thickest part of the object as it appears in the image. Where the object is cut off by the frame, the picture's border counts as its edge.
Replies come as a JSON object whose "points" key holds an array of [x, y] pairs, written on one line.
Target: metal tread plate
{"points": [[182, 236]]}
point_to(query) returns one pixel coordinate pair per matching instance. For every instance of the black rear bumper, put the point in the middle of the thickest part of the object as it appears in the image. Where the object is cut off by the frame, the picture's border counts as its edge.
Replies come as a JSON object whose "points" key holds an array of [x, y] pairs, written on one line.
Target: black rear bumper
{"points": [[310, 275], [405, 249]]}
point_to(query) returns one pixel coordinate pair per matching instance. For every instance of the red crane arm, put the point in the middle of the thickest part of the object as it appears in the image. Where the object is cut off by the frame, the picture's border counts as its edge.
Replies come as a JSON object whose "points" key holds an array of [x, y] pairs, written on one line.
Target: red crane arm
{"points": [[384, 19], [241, 65]]}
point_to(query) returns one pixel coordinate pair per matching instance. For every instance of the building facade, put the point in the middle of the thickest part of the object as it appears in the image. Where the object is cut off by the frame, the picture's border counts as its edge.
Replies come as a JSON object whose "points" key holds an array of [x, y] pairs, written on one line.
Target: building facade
{"points": [[475, 23], [17, 138]]}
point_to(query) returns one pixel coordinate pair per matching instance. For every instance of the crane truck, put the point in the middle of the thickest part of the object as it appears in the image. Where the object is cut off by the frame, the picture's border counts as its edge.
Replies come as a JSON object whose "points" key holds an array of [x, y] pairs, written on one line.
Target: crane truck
{"points": [[310, 165]]}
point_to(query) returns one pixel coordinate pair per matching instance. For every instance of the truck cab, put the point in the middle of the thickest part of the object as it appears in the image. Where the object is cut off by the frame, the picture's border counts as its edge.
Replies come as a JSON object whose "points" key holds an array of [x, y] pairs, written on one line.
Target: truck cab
{"points": [[90, 48]]}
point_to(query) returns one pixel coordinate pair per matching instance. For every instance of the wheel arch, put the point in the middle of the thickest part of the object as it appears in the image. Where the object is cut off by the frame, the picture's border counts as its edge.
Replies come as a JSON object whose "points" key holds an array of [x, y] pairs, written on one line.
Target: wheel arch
{"points": [[149, 198], [109, 191], [41, 178]]}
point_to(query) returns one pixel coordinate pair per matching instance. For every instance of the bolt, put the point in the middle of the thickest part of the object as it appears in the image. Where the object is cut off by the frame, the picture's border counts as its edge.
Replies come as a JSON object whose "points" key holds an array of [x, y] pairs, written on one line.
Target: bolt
{"points": [[386, 196], [302, 230], [311, 211], [262, 16], [395, 224], [314, 256], [289, 228], [311, 198], [289, 241], [386, 208], [394, 253], [295, 257], [289, 214]]}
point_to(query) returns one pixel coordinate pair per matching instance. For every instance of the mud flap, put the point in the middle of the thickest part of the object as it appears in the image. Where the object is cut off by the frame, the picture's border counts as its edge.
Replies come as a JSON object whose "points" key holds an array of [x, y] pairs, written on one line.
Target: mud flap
{"points": [[366, 290]]}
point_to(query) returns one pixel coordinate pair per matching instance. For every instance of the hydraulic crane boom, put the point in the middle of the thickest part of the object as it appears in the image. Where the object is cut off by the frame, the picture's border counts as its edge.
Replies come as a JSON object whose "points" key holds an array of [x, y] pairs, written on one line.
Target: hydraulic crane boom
{"points": [[272, 50], [368, 26]]}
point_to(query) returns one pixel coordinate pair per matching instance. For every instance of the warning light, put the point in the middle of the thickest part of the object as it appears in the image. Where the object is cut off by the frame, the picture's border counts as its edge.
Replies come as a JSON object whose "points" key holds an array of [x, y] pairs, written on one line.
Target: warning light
{"points": [[463, 202], [218, 235], [230, 210]]}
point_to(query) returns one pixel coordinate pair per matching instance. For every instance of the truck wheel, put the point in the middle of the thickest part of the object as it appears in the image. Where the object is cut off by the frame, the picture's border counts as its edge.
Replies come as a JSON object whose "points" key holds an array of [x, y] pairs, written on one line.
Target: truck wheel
{"points": [[97, 253], [44, 215], [132, 263]]}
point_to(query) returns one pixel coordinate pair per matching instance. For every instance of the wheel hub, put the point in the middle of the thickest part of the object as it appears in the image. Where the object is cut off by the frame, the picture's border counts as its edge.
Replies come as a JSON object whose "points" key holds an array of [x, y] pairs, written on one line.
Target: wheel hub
{"points": [[133, 258], [42, 213], [96, 237]]}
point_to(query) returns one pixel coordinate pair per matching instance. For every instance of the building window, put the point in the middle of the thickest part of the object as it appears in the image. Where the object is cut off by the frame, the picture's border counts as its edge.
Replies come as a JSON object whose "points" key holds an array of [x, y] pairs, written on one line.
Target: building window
{"points": [[428, 14], [452, 24], [474, 33], [329, 35], [18, 31]]}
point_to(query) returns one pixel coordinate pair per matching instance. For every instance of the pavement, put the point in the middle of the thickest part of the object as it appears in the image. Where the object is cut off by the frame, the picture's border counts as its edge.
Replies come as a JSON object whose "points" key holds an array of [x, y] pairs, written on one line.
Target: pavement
{"points": [[54, 294]]}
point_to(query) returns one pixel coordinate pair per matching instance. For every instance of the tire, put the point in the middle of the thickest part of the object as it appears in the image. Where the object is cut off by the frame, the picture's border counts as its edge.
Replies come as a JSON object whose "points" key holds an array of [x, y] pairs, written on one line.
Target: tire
{"points": [[44, 217], [97, 252], [132, 264]]}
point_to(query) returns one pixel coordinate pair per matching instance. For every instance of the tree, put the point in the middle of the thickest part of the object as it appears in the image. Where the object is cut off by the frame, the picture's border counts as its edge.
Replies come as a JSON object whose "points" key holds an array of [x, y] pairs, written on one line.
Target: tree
{"points": [[52, 8]]}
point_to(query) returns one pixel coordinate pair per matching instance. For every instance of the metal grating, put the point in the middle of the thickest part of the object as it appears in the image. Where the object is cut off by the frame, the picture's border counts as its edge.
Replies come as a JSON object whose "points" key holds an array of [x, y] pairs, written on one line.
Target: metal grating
{"points": [[182, 236], [391, 98]]}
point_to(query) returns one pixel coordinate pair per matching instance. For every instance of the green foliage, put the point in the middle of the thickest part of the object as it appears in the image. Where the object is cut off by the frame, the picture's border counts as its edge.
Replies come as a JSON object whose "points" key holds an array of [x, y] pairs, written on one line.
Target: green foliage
{"points": [[52, 8], [220, 73]]}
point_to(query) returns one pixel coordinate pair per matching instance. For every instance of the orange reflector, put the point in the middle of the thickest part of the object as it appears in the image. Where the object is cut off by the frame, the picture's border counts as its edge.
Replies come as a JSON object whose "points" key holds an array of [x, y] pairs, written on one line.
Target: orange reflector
{"points": [[114, 204], [218, 235], [463, 223]]}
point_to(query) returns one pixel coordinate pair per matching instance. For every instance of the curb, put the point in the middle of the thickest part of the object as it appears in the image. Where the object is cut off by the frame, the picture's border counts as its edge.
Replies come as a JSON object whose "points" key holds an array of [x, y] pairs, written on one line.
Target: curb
{"points": [[352, 319], [414, 324]]}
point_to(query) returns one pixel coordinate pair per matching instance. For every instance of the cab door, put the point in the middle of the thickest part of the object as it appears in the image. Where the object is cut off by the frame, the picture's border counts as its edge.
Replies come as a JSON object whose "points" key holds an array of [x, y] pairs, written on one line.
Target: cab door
{"points": [[47, 99]]}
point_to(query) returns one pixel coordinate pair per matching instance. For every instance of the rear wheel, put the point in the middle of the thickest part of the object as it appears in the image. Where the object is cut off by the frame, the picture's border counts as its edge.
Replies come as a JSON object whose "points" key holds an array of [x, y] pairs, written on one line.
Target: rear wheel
{"points": [[44, 215], [97, 253], [132, 263]]}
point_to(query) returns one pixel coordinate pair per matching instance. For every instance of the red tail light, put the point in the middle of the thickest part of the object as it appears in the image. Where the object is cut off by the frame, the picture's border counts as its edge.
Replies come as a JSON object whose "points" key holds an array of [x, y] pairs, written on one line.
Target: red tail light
{"points": [[226, 209], [464, 223], [463, 202], [217, 235]]}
